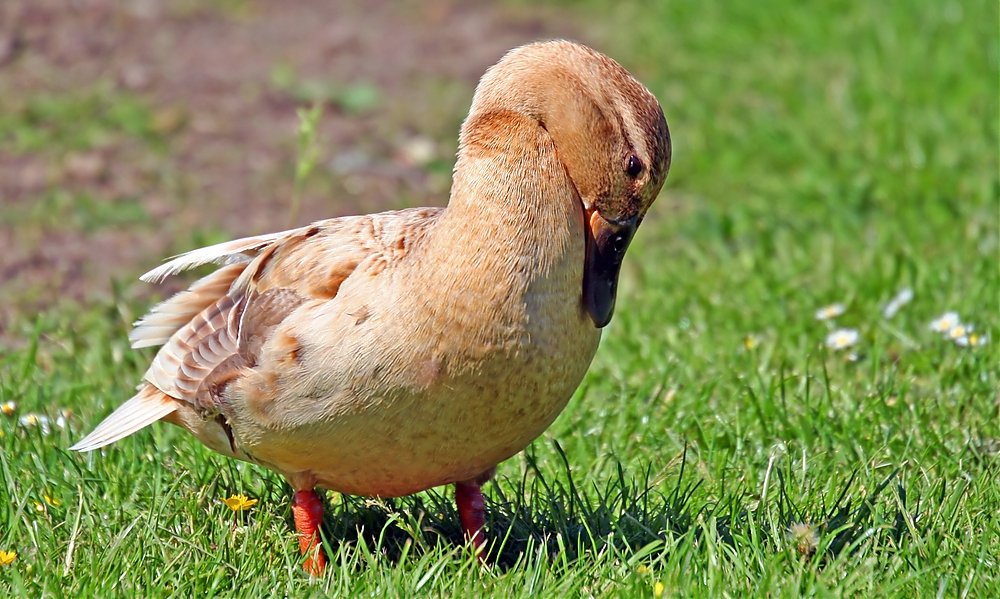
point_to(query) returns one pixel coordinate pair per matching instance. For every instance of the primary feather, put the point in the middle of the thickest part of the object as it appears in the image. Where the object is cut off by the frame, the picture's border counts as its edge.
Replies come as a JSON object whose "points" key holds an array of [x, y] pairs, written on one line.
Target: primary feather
{"points": [[144, 408]]}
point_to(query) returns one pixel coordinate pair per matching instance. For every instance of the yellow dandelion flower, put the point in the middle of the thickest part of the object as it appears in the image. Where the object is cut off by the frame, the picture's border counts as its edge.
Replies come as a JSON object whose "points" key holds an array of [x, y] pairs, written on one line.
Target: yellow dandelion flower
{"points": [[239, 503], [7, 557], [51, 500], [8, 408], [750, 342], [658, 589]]}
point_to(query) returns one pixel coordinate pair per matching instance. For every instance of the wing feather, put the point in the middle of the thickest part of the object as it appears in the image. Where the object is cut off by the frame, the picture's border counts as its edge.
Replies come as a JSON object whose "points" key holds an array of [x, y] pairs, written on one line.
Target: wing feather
{"points": [[215, 330], [238, 250], [166, 318]]}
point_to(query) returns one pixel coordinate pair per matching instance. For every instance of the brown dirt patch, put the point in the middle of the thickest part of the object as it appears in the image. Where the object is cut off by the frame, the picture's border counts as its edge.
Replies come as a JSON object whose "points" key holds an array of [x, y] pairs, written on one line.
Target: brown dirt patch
{"points": [[220, 87]]}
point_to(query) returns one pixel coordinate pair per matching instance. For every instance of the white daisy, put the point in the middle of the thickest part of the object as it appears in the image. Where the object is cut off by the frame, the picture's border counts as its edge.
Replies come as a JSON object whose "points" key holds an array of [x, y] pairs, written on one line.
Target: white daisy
{"points": [[831, 311], [970, 339], [842, 338], [33, 420], [946, 322], [902, 298], [958, 331]]}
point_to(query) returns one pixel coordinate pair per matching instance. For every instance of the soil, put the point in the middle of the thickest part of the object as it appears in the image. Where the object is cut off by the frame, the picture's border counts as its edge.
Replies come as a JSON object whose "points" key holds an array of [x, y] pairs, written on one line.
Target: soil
{"points": [[219, 84]]}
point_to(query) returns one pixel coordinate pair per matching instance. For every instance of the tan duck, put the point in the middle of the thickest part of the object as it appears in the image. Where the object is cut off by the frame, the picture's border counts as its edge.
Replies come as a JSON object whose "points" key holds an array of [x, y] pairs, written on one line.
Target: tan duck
{"points": [[389, 353]]}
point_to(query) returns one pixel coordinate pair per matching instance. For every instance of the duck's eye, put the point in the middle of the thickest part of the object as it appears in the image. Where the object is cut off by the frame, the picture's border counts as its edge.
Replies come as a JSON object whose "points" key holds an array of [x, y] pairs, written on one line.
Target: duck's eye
{"points": [[634, 166]]}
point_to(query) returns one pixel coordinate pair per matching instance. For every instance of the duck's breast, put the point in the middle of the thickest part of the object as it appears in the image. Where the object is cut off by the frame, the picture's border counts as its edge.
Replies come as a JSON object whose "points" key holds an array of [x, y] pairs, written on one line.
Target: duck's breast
{"points": [[391, 393]]}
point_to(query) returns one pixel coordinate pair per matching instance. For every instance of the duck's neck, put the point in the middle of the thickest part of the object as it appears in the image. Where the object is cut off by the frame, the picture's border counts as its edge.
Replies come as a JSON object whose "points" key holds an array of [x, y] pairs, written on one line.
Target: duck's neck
{"points": [[511, 243], [512, 204]]}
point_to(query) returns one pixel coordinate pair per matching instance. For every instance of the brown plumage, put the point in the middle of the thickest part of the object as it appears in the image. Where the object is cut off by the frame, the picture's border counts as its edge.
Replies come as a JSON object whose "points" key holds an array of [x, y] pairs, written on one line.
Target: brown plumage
{"points": [[388, 353]]}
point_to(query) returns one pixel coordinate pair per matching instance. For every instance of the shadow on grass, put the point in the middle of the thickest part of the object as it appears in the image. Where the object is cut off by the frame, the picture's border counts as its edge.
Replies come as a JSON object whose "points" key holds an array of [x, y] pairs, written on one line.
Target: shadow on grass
{"points": [[625, 515]]}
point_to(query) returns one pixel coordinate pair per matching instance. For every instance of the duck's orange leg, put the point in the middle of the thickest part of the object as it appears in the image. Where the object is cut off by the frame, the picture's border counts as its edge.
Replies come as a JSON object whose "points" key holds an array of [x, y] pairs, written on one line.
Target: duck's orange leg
{"points": [[307, 508], [472, 513]]}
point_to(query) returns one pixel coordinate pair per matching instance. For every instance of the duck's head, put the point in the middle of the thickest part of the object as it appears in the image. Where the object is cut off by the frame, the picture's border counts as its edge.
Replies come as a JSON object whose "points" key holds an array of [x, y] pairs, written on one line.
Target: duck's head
{"points": [[610, 135]]}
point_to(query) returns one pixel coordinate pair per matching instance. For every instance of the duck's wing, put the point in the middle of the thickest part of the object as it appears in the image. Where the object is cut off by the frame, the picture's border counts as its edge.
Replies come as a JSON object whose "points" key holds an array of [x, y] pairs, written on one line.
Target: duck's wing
{"points": [[212, 332]]}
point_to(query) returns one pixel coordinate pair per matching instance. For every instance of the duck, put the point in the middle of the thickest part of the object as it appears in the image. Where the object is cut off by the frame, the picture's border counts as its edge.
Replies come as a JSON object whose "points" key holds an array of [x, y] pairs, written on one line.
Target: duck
{"points": [[385, 354]]}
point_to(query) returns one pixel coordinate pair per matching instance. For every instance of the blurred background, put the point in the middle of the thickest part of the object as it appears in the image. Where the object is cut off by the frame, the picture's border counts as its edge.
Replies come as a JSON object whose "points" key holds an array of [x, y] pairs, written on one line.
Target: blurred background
{"points": [[130, 131]]}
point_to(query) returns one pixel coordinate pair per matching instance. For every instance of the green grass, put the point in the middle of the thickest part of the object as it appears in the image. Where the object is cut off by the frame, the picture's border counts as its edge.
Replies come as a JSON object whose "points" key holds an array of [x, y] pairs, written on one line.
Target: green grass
{"points": [[80, 120], [838, 152], [60, 209]]}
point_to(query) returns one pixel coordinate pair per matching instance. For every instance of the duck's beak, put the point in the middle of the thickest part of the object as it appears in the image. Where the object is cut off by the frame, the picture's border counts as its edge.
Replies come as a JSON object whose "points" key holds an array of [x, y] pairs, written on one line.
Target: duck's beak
{"points": [[605, 248]]}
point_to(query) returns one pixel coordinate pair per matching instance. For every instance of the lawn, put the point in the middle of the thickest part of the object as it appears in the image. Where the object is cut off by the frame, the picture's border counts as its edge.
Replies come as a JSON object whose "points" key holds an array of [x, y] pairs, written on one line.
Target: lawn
{"points": [[829, 153]]}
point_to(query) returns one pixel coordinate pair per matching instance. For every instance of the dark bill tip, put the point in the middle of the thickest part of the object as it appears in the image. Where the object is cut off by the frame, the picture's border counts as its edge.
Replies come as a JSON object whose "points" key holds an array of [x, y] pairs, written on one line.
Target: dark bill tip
{"points": [[605, 248]]}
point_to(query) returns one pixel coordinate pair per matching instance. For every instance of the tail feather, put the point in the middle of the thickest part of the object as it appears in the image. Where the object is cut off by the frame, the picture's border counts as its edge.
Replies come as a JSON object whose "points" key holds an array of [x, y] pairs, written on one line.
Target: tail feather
{"points": [[146, 407]]}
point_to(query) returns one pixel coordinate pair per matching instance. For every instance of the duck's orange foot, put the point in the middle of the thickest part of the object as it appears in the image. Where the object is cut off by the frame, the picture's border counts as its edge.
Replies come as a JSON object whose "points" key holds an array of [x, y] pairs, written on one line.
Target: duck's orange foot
{"points": [[472, 513], [307, 508]]}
